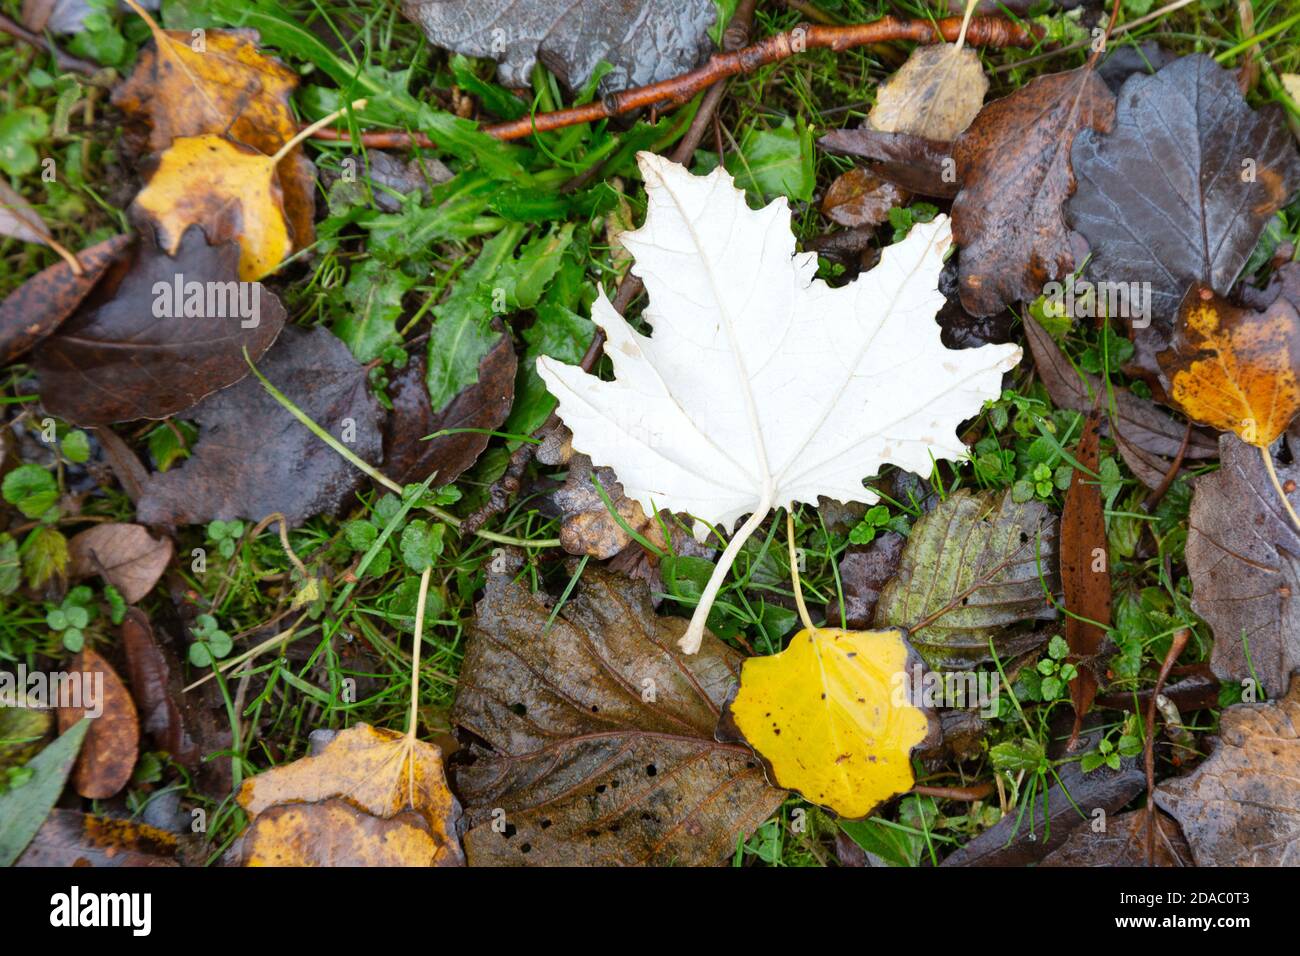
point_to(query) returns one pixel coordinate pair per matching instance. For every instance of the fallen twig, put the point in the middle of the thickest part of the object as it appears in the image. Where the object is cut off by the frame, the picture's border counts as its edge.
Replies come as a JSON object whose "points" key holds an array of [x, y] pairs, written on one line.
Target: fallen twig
{"points": [[982, 31]]}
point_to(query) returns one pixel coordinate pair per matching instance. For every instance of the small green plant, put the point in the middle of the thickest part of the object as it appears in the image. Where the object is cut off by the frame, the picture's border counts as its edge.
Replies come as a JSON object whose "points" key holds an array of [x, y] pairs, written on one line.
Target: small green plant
{"points": [[225, 535], [211, 643], [1048, 681], [70, 619]]}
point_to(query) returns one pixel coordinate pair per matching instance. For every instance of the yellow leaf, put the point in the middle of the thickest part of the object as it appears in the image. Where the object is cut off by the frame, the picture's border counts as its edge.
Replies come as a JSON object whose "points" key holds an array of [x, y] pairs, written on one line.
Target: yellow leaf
{"points": [[1235, 369], [370, 797], [231, 190], [935, 94], [831, 717], [222, 85]]}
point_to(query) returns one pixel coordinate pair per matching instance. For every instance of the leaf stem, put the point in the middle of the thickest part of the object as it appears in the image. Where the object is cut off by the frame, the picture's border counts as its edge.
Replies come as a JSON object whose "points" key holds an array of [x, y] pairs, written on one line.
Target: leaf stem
{"points": [[319, 124], [794, 568], [690, 641], [1272, 474]]}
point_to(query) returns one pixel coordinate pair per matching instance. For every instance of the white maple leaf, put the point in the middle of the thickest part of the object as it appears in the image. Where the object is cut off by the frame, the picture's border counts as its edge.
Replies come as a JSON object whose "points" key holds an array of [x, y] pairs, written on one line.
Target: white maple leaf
{"points": [[760, 385]]}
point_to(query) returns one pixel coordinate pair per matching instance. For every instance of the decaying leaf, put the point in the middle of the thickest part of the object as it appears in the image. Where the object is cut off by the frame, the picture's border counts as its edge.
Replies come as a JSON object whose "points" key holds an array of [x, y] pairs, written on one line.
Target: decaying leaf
{"points": [[976, 563], [1146, 436], [1243, 555], [1180, 191], [919, 165], [1014, 167], [863, 573], [935, 94], [644, 41], [41, 304], [1123, 842], [254, 458], [465, 420], [858, 198], [599, 734], [113, 741], [128, 557], [130, 352], [371, 797], [809, 388], [1233, 368], [229, 190], [831, 717], [586, 523], [173, 718], [1085, 572], [1241, 807], [228, 88], [69, 838]]}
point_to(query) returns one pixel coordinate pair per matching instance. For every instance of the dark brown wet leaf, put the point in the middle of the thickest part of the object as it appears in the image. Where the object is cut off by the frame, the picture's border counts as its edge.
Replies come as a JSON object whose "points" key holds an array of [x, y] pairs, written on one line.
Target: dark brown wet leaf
{"points": [[254, 458], [175, 720], [864, 571], [41, 304], [1123, 843], [127, 555], [601, 734], [116, 359], [1014, 166], [643, 40], [1085, 572], [113, 741], [479, 408], [69, 838], [1123, 61], [1242, 806], [1181, 190], [857, 198], [1243, 555], [916, 164], [1070, 805], [971, 567], [1147, 437]]}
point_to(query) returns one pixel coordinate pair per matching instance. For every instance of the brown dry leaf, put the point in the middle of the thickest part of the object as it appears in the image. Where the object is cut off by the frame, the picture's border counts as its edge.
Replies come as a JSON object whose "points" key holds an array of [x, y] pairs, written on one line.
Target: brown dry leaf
{"points": [[1233, 368], [935, 94], [39, 306], [598, 734], [858, 198], [1085, 576], [1241, 807], [1013, 164], [1243, 555], [113, 741], [126, 555], [230, 190], [227, 89], [1123, 843], [69, 838], [371, 797]]}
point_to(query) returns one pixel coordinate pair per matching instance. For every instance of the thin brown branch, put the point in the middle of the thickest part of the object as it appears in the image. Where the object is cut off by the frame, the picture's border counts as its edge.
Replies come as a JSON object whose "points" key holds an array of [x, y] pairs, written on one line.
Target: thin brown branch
{"points": [[983, 31], [63, 60], [1149, 751]]}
